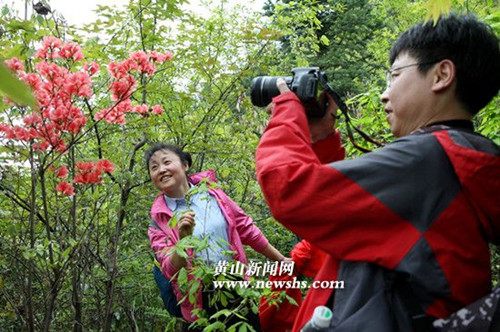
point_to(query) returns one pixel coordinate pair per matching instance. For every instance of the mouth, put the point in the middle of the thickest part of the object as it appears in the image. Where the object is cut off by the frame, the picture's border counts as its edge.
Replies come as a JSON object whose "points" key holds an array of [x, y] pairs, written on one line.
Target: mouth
{"points": [[389, 112], [165, 178]]}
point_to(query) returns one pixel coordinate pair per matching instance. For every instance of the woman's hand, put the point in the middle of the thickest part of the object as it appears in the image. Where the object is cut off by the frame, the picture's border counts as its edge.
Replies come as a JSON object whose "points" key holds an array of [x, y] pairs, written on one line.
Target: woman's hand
{"points": [[186, 224], [272, 253]]}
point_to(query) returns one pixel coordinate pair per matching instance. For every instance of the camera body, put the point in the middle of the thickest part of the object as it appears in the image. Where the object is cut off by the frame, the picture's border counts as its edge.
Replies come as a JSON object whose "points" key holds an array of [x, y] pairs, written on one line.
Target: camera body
{"points": [[305, 83]]}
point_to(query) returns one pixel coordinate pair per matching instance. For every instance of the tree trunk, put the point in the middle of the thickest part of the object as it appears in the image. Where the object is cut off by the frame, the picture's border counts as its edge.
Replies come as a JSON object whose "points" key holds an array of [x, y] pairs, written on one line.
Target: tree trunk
{"points": [[115, 239], [113, 272], [75, 273], [29, 305]]}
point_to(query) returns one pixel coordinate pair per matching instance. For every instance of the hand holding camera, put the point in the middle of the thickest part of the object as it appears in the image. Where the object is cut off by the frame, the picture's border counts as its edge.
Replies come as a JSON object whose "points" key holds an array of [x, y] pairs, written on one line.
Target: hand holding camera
{"points": [[321, 109], [320, 106], [319, 128], [304, 83]]}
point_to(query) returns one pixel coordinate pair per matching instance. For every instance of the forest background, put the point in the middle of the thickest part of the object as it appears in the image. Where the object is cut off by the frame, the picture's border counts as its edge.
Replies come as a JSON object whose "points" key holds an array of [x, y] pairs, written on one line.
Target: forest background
{"points": [[75, 256]]}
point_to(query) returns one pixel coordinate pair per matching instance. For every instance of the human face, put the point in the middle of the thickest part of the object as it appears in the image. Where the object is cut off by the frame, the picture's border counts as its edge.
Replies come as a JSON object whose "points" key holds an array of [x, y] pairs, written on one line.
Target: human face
{"points": [[408, 96], [168, 173]]}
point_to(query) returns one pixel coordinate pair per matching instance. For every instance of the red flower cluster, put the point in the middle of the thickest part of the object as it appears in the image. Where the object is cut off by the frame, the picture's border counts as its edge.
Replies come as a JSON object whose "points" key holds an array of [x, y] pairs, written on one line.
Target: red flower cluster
{"points": [[124, 85], [91, 68], [62, 172], [54, 48], [57, 91], [65, 188], [90, 172], [86, 173], [14, 64]]}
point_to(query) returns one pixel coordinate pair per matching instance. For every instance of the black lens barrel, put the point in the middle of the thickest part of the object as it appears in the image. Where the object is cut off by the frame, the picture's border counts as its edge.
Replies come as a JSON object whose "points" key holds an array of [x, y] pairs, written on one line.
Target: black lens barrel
{"points": [[263, 89]]}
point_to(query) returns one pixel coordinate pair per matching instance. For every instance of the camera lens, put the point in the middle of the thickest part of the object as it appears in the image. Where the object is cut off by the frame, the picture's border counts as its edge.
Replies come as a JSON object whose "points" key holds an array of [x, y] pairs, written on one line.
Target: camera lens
{"points": [[263, 89]]}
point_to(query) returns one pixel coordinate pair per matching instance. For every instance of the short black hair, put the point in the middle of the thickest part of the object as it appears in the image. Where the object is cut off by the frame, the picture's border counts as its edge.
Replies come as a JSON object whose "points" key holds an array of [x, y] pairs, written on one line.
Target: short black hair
{"points": [[185, 157], [470, 44]]}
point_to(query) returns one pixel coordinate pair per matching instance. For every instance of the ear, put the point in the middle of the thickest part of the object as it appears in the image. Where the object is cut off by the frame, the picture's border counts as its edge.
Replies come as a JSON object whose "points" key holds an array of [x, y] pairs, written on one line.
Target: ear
{"points": [[444, 75], [185, 166]]}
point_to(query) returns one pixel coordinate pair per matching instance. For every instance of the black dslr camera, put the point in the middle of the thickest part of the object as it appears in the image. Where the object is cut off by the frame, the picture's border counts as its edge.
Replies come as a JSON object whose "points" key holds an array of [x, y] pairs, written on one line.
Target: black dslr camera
{"points": [[304, 83]]}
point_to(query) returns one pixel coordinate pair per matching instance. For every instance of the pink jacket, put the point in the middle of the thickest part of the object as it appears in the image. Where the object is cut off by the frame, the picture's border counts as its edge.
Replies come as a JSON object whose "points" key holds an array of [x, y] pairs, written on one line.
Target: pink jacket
{"points": [[162, 238]]}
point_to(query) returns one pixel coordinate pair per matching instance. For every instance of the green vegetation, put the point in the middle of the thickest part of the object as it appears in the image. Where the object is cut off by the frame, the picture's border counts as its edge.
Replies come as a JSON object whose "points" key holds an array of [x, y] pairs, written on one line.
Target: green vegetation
{"points": [[83, 262]]}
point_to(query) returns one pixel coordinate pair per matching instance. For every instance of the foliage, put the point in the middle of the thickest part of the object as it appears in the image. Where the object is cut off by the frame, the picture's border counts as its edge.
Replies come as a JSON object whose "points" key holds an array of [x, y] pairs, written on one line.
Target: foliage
{"points": [[15, 89], [78, 257]]}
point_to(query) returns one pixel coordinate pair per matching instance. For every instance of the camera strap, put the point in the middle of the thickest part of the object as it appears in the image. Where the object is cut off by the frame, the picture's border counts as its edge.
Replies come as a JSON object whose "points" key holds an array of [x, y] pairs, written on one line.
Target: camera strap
{"points": [[345, 112]]}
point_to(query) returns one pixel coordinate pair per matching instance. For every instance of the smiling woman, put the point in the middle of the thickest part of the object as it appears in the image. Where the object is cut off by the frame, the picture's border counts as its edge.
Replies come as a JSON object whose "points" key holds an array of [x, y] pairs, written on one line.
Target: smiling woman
{"points": [[204, 214], [168, 173]]}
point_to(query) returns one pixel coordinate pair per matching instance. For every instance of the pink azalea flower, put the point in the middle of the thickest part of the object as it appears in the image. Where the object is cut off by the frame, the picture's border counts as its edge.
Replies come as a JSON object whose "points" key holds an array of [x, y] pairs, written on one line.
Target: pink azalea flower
{"points": [[141, 109], [50, 48], [14, 64], [18, 133], [157, 109], [91, 68], [160, 57], [32, 80], [62, 172], [71, 51], [32, 120], [78, 84], [105, 166], [65, 188], [123, 88], [41, 146], [85, 166]]}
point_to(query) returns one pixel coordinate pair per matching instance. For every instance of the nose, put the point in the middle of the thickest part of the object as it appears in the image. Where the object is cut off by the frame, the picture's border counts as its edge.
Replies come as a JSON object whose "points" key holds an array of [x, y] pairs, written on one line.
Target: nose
{"points": [[384, 97], [162, 168]]}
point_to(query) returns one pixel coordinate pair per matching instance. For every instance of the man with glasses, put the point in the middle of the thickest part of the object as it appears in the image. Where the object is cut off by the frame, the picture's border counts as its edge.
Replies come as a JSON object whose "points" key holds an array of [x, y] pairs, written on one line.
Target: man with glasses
{"points": [[406, 227]]}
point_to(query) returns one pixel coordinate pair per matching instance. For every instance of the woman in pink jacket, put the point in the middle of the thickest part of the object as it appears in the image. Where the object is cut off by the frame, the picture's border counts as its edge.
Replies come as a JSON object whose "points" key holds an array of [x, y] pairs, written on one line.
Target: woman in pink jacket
{"points": [[210, 215]]}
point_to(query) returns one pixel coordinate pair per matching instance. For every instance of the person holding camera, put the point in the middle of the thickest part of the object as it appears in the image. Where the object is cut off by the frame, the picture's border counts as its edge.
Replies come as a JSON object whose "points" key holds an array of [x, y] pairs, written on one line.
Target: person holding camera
{"points": [[208, 213], [406, 227]]}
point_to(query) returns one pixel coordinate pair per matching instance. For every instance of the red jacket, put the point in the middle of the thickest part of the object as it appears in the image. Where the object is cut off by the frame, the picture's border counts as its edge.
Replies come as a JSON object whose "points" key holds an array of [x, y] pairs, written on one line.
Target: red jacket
{"points": [[426, 204], [280, 318]]}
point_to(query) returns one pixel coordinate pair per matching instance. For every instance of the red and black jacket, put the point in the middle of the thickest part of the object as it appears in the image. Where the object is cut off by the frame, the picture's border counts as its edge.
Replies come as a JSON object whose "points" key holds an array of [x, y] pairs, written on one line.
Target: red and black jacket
{"points": [[427, 205]]}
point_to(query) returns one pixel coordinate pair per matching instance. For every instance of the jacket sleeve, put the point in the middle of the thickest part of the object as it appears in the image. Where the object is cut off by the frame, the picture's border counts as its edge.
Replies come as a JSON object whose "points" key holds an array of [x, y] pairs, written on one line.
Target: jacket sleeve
{"points": [[319, 202], [161, 244], [329, 149], [249, 233]]}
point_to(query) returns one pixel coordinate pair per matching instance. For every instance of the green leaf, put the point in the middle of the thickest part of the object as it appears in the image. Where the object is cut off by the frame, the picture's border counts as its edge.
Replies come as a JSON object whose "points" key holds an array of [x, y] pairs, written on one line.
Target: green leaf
{"points": [[40, 19], [224, 312], [436, 8], [324, 40], [243, 328], [15, 89], [21, 25], [182, 279], [223, 300]]}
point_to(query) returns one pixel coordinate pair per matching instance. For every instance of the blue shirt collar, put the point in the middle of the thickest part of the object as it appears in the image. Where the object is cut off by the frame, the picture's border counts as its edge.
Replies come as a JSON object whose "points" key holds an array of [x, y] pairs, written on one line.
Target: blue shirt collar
{"points": [[174, 203]]}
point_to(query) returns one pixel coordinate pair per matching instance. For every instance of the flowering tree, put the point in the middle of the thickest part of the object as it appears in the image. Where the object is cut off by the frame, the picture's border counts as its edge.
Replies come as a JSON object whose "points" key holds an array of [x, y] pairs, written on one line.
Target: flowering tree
{"points": [[80, 253], [49, 140]]}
